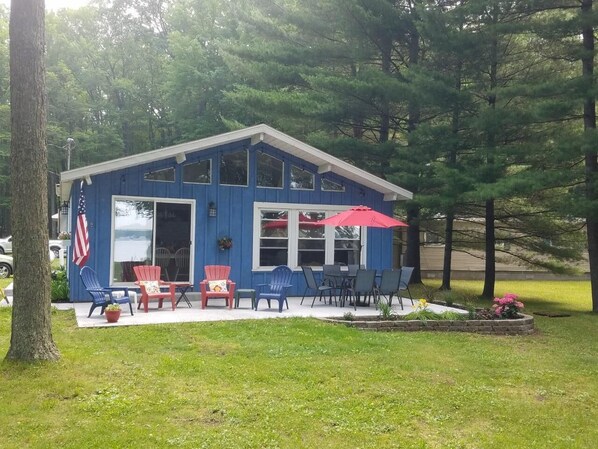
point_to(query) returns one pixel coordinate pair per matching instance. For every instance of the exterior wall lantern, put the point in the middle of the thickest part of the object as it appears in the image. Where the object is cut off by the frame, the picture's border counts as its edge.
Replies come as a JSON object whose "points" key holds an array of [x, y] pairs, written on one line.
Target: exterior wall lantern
{"points": [[64, 208], [212, 209]]}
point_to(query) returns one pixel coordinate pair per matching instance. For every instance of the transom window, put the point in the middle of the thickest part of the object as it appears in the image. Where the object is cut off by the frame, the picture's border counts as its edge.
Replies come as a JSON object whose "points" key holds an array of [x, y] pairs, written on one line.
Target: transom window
{"points": [[330, 186], [287, 234], [165, 175], [233, 168]]}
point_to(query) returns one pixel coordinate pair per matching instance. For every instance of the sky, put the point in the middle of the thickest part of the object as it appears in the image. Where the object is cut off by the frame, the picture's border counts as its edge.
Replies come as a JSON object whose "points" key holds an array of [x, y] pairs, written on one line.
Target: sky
{"points": [[56, 4]]}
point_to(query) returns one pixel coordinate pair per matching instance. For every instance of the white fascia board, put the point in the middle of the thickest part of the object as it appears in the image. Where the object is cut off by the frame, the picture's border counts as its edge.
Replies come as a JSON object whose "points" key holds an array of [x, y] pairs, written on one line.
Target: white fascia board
{"points": [[338, 166], [159, 154], [258, 133]]}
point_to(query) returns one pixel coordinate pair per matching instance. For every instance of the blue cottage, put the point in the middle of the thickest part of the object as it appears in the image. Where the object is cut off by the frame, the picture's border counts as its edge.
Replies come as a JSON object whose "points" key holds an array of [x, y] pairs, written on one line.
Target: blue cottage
{"points": [[248, 198]]}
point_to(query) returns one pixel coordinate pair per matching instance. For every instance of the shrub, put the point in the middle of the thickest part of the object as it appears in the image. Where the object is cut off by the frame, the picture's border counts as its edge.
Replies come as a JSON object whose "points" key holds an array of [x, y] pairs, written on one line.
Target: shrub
{"points": [[422, 315], [507, 306], [450, 297], [348, 316], [59, 287], [385, 309]]}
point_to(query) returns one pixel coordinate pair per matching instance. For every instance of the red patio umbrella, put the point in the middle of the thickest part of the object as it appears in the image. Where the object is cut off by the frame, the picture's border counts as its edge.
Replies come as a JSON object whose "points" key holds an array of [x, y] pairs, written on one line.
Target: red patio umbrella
{"points": [[361, 216]]}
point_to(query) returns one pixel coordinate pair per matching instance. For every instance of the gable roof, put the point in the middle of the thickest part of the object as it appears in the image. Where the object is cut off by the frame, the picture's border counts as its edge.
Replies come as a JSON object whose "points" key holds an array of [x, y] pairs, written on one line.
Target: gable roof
{"points": [[258, 133]]}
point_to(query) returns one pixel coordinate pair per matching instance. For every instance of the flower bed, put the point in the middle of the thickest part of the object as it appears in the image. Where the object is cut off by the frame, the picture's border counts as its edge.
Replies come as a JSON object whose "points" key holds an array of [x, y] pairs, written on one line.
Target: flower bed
{"points": [[505, 318], [523, 325]]}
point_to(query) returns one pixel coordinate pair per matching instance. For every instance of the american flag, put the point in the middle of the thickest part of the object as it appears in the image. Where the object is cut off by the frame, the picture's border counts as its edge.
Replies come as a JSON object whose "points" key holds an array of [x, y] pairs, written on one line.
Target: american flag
{"points": [[81, 251]]}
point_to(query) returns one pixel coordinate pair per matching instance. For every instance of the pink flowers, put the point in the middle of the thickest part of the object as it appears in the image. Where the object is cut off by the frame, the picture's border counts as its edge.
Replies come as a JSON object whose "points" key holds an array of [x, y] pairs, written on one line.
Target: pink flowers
{"points": [[507, 306]]}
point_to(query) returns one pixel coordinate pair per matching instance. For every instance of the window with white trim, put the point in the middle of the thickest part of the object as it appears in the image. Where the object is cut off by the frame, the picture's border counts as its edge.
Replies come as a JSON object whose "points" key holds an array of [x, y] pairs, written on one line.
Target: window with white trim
{"points": [[287, 234], [233, 168], [269, 171], [301, 179], [327, 185], [164, 175], [152, 231], [198, 172]]}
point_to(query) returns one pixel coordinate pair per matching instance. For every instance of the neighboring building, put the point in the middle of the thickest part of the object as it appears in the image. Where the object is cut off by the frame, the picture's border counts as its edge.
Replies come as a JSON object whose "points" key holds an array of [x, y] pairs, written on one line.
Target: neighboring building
{"points": [[258, 186], [469, 264]]}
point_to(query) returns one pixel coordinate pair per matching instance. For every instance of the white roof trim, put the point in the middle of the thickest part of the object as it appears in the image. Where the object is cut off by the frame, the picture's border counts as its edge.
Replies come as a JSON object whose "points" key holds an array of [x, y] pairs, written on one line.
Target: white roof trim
{"points": [[258, 133]]}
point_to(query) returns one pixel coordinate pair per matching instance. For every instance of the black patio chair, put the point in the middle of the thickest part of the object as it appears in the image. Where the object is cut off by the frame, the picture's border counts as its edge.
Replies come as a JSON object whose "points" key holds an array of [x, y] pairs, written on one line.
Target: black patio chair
{"points": [[332, 276], [312, 284], [362, 285], [406, 273], [389, 286]]}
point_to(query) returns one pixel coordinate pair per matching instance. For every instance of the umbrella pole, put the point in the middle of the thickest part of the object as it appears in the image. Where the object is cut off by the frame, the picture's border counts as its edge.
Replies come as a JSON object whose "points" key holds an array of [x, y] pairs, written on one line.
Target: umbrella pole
{"points": [[360, 247]]}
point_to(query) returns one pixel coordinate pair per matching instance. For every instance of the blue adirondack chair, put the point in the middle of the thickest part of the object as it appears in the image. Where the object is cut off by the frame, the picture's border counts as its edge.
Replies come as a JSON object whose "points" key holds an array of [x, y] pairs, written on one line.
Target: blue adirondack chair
{"points": [[98, 293], [277, 288]]}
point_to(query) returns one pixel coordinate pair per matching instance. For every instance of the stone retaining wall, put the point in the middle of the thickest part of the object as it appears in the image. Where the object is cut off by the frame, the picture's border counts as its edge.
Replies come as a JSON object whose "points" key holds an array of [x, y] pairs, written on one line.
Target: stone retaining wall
{"points": [[517, 326]]}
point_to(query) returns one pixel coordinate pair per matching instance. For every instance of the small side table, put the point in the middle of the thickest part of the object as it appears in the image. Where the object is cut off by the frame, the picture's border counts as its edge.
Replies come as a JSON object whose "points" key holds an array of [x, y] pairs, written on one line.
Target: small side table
{"points": [[183, 288], [244, 293]]}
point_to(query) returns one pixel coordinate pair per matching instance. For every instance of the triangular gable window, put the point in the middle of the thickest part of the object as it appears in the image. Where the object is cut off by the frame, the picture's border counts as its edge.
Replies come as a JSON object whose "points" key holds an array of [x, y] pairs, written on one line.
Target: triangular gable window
{"points": [[330, 186], [166, 175]]}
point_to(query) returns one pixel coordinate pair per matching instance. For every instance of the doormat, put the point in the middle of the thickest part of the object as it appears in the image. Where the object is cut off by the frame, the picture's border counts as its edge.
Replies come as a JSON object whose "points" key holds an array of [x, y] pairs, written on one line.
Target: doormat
{"points": [[553, 314]]}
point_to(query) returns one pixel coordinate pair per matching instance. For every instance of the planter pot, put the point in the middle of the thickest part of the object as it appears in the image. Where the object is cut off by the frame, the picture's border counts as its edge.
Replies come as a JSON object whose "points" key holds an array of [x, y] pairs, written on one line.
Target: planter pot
{"points": [[112, 316], [66, 243]]}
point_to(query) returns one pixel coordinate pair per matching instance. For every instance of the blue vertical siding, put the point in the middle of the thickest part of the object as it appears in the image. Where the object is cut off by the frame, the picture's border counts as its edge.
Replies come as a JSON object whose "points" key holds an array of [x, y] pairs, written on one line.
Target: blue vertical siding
{"points": [[234, 213]]}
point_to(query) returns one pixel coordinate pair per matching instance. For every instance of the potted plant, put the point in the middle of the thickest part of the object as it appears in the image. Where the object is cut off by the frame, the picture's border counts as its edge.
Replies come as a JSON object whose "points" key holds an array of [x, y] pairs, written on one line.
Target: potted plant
{"points": [[112, 312], [225, 243]]}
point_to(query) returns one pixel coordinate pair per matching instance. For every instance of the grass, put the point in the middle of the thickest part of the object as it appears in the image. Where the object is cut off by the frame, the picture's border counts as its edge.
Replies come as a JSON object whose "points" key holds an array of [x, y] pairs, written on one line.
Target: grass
{"points": [[300, 383]]}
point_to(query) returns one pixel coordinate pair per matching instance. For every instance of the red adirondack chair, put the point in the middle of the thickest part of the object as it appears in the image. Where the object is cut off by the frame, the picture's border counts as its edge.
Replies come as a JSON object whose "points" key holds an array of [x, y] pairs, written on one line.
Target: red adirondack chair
{"points": [[148, 279], [217, 273]]}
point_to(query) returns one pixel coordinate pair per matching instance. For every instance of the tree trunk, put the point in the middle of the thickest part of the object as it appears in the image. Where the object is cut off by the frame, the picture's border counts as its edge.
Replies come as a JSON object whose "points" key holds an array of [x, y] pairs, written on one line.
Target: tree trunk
{"points": [[448, 252], [412, 255], [490, 256], [452, 163], [31, 337], [591, 156], [490, 267]]}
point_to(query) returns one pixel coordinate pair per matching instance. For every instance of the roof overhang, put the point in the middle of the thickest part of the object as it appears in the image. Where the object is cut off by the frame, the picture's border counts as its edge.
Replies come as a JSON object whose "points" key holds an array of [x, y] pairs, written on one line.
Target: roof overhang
{"points": [[259, 133]]}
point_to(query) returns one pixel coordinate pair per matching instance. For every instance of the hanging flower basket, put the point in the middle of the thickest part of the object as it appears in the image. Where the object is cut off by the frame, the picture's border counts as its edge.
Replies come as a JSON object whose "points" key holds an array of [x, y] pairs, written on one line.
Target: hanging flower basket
{"points": [[225, 243]]}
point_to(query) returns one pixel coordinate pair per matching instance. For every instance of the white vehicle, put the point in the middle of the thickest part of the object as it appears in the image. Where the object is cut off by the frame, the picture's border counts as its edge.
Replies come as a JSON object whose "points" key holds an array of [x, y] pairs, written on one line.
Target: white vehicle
{"points": [[6, 266], [6, 246]]}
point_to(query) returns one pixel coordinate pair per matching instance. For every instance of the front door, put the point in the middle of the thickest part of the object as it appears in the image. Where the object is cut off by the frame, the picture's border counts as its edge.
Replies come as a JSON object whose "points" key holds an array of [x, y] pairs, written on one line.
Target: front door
{"points": [[173, 240], [152, 232]]}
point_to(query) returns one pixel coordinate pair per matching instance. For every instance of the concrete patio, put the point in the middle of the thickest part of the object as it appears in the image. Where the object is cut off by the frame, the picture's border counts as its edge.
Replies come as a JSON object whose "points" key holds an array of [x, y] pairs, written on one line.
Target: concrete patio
{"points": [[216, 311]]}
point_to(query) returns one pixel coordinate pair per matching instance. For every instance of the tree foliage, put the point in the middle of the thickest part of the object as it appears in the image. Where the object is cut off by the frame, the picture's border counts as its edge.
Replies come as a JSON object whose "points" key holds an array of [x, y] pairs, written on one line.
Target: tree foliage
{"points": [[474, 105]]}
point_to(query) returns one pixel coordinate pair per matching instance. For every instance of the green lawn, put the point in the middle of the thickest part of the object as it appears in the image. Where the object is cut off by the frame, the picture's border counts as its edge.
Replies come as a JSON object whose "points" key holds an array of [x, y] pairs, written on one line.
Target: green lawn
{"points": [[300, 383]]}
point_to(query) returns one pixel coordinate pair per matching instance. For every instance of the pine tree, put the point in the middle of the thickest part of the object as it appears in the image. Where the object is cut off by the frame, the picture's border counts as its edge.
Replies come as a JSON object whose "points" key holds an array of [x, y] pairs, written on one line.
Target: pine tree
{"points": [[31, 336]]}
